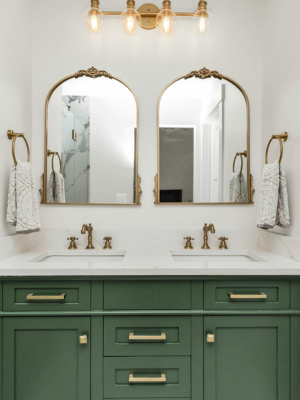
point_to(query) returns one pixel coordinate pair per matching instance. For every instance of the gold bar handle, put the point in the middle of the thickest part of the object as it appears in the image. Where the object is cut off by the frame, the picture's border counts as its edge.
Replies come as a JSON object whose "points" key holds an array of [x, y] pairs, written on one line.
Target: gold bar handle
{"points": [[161, 379], [132, 336], [37, 297], [261, 295]]}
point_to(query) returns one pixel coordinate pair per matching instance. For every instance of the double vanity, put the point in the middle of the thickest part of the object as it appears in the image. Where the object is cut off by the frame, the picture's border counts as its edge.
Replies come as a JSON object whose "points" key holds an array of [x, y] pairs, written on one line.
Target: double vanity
{"points": [[150, 324]]}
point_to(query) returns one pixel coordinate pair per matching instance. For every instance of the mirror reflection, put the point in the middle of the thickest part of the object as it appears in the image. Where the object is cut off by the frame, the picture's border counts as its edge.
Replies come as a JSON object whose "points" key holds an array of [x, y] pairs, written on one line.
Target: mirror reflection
{"points": [[203, 139], [92, 142]]}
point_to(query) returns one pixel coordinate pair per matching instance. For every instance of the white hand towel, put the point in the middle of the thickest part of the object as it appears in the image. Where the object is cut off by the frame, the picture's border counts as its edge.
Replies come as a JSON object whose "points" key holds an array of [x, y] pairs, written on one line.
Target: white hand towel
{"points": [[56, 188], [273, 205], [22, 206], [60, 196], [237, 188]]}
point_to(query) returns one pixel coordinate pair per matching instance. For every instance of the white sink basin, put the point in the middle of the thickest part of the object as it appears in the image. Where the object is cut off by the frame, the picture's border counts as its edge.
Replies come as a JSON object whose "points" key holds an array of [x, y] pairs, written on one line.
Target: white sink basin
{"points": [[80, 256], [215, 256]]}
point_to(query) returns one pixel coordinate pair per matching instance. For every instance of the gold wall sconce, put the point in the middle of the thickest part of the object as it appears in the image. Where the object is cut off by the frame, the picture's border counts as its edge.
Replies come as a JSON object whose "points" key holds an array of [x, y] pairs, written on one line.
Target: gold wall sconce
{"points": [[149, 17]]}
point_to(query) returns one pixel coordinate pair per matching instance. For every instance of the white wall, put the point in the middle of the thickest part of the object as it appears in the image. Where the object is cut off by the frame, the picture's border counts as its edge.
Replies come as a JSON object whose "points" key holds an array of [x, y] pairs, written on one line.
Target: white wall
{"points": [[147, 62], [15, 87], [281, 89]]}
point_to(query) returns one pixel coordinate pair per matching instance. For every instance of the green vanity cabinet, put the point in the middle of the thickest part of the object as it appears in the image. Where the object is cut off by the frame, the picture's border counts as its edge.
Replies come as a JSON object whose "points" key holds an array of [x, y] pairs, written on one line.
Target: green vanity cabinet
{"points": [[150, 338], [43, 359], [249, 358]]}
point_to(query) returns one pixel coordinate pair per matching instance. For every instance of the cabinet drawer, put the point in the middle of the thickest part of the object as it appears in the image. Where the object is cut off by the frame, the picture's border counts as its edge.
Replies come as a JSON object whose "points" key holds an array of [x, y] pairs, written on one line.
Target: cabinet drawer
{"points": [[246, 295], [147, 295], [146, 336], [46, 296], [135, 377]]}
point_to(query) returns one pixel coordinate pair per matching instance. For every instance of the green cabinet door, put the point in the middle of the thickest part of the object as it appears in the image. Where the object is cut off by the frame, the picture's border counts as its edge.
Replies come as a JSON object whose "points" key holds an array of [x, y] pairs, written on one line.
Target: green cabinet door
{"points": [[249, 358], [43, 359]]}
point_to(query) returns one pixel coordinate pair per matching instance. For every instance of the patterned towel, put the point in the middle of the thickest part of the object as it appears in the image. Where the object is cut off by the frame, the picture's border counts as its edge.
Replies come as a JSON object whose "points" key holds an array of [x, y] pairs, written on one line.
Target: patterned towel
{"points": [[237, 188], [56, 188], [274, 204], [22, 206]]}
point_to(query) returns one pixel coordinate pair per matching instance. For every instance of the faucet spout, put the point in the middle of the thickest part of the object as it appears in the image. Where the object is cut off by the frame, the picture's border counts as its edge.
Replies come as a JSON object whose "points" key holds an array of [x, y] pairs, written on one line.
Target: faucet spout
{"points": [[207, 228], [88, 228]]}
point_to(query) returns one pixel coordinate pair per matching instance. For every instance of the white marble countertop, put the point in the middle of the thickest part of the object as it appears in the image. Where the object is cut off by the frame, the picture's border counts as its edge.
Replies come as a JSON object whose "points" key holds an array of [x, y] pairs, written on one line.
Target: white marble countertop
{"points": [[148, 262]]}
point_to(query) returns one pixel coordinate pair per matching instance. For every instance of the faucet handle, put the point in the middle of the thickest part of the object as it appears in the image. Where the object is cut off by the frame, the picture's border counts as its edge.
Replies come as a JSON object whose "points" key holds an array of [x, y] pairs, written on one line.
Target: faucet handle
{"points": [[188, 242], [107, 243], [223, 244], [72, 244]]}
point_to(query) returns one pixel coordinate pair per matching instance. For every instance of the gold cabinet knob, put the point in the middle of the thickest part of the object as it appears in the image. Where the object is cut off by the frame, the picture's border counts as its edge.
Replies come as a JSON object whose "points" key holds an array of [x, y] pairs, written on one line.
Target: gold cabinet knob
{"points": [[83, 339], [210, 338]]}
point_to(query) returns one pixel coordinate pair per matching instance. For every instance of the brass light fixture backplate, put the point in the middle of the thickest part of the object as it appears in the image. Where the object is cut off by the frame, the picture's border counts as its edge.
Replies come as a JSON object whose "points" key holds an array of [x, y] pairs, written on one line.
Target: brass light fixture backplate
{"points": [[148, 22]]}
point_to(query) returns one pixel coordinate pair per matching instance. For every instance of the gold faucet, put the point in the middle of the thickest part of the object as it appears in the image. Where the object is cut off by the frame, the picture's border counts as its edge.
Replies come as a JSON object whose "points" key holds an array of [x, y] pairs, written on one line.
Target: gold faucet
{"points": [[88, 228], [209, 228]]}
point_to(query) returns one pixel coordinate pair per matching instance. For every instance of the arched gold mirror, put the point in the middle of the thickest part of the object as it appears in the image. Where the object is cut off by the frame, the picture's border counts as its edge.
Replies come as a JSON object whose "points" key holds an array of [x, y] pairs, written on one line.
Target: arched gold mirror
{"points": [[91, 141], [203, 141]]}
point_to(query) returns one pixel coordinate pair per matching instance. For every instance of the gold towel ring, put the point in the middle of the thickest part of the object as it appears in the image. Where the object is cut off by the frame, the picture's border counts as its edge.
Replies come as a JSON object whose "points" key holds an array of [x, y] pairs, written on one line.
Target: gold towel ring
{"points": [[14, 136], [53, 154], [242, 161], [282, 138]]}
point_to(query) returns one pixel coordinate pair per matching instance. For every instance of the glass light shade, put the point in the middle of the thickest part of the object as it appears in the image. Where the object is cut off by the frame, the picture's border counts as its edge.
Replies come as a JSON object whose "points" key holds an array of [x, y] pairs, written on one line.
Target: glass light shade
{"points": [[93, 19], [166, 21], [202, 22], [130, 21]]}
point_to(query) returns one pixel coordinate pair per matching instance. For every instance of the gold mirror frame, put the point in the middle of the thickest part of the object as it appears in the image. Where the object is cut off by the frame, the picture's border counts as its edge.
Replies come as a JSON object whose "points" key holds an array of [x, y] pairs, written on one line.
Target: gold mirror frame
{"points": [[92, 73], [205, 73]]}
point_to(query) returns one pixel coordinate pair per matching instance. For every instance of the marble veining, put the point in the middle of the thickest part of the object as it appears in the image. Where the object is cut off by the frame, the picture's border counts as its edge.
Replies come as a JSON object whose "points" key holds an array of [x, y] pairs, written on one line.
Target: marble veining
{"points": [[282, 245], [76, 153]]}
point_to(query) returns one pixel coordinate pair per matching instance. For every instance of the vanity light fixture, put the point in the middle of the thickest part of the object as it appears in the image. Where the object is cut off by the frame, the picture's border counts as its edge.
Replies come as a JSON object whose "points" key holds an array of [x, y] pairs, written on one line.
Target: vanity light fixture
{"points": [[202, 21], [148, 17], [93, 17], [166, 19], [131, 19]]}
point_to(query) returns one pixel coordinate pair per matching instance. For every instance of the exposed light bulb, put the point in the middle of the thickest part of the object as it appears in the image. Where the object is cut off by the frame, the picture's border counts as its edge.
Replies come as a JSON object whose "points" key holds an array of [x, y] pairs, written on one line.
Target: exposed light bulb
{"points": [[94, 23], [93, 17], [202, 21], [202, 25], [130, 19], [167, 24], [166, 19], [130, 25]]}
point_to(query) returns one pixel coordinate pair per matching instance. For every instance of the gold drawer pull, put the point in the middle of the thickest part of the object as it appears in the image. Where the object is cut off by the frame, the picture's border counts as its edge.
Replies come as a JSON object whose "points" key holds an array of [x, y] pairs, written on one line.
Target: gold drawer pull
{"points": [[132, 336], [33, 297], [247, 296], [161, 379]]}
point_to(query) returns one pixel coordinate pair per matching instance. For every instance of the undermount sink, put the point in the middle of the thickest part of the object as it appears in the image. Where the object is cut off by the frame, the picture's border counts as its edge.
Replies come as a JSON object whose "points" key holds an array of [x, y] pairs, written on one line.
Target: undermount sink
{"points": [[198, 256], [81, 256]]}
